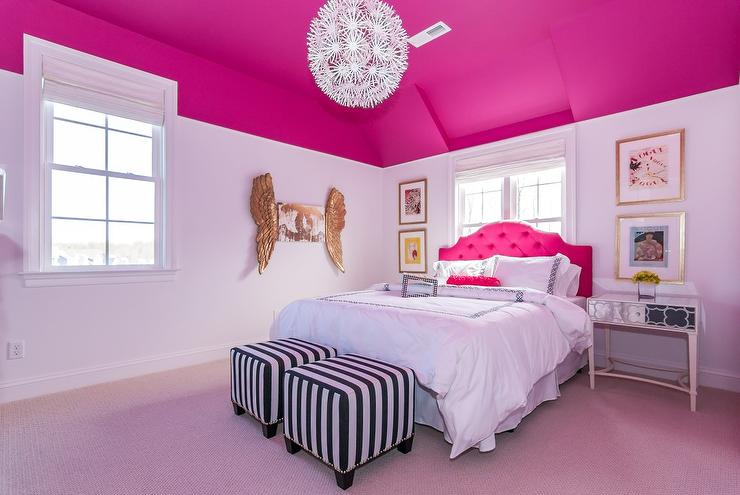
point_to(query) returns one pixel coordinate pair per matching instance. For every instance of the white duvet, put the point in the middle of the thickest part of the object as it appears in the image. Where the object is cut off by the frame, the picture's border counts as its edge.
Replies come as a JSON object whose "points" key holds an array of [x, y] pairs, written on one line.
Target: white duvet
{"points": [[481, 350]]}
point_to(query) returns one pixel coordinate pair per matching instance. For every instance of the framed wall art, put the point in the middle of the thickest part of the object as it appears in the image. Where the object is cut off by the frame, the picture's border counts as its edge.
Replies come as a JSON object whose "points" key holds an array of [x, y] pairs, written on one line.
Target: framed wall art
{"points": [[654, 242], [293, 222], [650, 168], [412, 251], [412, 202], [300, 223]]}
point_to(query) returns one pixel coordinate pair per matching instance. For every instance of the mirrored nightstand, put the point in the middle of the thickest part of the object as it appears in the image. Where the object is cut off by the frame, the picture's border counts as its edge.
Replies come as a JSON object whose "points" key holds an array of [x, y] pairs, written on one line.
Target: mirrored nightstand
{"points": [[671, 314]]}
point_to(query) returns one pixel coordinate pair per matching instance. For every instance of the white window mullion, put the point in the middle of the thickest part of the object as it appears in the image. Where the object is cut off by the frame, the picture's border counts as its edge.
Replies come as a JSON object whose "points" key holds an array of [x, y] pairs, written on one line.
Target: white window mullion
{"points": [[46, 192], [510, 198], [107, 199], [158, 174], [563, 203], [102, 173], [537, 198]]}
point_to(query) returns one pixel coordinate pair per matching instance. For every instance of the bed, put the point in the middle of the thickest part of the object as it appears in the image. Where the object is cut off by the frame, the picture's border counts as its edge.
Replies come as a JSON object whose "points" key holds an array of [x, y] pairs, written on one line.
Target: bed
{"points": [[484, 357]]}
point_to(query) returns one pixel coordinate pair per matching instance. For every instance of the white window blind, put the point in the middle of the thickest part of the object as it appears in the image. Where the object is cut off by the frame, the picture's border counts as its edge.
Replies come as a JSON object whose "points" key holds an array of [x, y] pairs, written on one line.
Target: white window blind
{"points": [[515, 161], [70, 84]]}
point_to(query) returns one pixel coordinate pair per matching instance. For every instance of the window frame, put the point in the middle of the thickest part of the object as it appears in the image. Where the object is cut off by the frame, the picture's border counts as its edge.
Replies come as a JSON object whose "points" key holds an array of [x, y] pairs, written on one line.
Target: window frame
{"points": [[38, 270], [568, 212]]}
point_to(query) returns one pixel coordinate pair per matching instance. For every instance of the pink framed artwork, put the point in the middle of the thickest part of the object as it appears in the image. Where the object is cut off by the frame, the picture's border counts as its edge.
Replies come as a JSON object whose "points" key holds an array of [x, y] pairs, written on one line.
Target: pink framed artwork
{"points": [[412, 202], [650, 168]]}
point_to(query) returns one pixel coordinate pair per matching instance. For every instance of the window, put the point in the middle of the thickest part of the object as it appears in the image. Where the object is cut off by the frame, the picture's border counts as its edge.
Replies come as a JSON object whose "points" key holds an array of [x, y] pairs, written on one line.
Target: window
{"points": [[526, 182], [98, 181], [535, 197], [105, 178]]}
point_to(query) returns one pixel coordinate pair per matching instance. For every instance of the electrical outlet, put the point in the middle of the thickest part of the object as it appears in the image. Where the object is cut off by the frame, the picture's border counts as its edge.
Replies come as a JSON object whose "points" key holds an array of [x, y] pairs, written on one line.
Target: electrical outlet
{"points": [[16, 349]]}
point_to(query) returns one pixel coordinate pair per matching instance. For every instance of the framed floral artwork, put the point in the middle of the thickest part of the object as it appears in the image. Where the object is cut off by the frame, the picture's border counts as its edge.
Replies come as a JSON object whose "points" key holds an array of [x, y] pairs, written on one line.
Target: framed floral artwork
{"points": [[654, 242], [412, 251], [650, 168], [412, 202]]}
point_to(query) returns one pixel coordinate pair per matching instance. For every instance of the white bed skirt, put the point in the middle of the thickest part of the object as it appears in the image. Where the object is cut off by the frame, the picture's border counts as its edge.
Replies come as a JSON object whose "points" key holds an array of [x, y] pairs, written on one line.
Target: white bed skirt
{"points": [[547, 388]]}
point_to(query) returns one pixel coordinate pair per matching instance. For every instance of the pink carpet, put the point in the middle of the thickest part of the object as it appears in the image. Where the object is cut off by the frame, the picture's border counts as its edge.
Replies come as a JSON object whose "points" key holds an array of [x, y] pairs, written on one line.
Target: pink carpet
{"points": [[175, 433]]}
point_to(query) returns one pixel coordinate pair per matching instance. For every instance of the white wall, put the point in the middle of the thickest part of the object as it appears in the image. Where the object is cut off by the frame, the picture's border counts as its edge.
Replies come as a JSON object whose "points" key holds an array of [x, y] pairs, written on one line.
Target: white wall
{"points": [[79, 335], [712, 122]]}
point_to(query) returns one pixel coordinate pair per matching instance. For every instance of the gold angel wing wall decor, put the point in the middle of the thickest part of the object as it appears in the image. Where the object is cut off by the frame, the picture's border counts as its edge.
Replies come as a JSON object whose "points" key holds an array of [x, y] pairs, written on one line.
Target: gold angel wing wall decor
{"points": [[334, 215], [265, 215]]}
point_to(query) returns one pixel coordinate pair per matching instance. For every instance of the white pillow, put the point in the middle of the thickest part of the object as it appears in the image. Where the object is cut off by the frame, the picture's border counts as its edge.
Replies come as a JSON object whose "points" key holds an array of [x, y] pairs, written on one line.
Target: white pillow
{"points": [[568, 284], [445, 269], [540, 273]]}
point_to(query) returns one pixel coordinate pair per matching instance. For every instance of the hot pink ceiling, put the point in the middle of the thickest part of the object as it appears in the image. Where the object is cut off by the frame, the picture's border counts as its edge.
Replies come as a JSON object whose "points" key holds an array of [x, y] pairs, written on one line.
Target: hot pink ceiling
{"points": [[508, 67]]}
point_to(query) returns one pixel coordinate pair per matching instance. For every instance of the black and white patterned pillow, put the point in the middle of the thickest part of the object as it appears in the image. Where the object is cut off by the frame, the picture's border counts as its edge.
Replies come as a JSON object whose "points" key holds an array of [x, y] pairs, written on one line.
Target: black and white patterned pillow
{"points": [[414, 286]]}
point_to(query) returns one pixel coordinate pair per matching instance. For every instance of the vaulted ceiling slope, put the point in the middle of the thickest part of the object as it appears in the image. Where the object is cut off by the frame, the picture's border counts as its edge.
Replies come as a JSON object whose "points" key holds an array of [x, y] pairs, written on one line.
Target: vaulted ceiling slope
{"points": [[507, 68]]}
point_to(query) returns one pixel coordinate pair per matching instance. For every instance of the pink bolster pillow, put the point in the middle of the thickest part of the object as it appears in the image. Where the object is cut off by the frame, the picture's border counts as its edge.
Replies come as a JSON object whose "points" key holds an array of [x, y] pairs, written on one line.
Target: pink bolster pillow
{"points": [[474, 280]]}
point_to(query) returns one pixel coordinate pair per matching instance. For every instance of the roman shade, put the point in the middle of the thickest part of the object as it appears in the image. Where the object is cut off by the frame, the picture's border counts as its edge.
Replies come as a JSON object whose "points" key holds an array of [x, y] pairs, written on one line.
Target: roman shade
{"points": [[513, 161], [71, 84]]}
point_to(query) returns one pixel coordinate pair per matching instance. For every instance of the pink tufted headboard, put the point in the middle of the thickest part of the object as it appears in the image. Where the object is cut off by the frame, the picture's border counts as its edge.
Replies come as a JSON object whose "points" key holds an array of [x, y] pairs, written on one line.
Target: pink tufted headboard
{"points": [[511, 238]]}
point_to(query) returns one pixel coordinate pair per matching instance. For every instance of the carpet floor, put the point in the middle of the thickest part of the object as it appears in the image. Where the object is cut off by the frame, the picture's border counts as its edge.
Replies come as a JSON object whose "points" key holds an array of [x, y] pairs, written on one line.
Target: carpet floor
{"points": [[175, 433]]}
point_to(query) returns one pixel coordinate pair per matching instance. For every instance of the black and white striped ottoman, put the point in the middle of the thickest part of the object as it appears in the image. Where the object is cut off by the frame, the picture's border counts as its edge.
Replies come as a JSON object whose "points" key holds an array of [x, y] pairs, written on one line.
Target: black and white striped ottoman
{"points": [[348, 410], [257, 376]]}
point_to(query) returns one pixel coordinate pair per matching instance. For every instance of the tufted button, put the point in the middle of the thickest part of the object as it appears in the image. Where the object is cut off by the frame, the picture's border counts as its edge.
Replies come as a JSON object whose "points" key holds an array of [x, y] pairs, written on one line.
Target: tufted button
{"points": [[491, 246], [537, 244], [512, 245], [480, 235], [470, 246], [480, 256], [525, 233], [459, 256], [502, 234]]}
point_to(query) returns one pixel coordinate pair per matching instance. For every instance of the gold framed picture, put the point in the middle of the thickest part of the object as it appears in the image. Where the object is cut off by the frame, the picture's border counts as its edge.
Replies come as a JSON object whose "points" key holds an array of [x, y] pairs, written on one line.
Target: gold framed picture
{"points": [[650, 168], [412, 251], [654, 242], [412, 202]]}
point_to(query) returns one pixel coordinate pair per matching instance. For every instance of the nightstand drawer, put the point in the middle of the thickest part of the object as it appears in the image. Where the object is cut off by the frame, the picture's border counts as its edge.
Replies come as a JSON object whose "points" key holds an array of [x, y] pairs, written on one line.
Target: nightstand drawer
{"points": [[675, 317]]}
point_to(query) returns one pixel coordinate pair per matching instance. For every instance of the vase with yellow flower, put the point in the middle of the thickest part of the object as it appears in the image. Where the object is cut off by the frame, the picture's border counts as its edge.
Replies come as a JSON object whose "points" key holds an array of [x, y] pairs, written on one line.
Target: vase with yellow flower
{"points": [[647, 282]]}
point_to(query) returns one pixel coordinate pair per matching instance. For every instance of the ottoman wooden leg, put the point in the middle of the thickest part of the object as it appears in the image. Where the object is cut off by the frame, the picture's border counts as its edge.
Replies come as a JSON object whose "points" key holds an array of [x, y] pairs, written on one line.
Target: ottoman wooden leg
{"points": [[344, 480], [269, 430], [238, 410], [291, 446], [405, 446]]}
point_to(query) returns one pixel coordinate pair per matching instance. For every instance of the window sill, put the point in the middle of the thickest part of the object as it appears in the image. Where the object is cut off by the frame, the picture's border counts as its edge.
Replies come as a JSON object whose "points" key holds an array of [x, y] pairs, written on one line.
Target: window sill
{"points": [[107, 277]]}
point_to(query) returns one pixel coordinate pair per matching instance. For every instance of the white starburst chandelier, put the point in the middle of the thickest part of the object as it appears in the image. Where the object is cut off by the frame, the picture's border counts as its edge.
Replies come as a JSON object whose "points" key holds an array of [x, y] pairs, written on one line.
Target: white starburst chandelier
{"points": [[357, 51]]}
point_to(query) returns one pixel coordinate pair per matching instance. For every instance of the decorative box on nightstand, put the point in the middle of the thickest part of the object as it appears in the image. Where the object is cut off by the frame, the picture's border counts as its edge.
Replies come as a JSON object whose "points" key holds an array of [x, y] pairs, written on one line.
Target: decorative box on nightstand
{"points": [[673, 314]]}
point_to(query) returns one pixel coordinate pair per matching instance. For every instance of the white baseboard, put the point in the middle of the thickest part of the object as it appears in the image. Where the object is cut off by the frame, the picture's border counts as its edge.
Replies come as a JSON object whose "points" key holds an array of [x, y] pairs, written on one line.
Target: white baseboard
{"points": [[708, 377], [56, 382]]}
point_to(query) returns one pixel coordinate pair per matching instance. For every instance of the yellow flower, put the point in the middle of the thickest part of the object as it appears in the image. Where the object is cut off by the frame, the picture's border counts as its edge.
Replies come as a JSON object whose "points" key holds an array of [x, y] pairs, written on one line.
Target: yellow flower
{"points": [[646, 276]]}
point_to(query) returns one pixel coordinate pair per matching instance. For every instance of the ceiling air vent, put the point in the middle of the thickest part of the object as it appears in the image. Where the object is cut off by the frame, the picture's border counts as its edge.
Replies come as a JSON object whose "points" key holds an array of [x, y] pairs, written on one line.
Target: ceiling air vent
{"points": [[432, 32]]}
